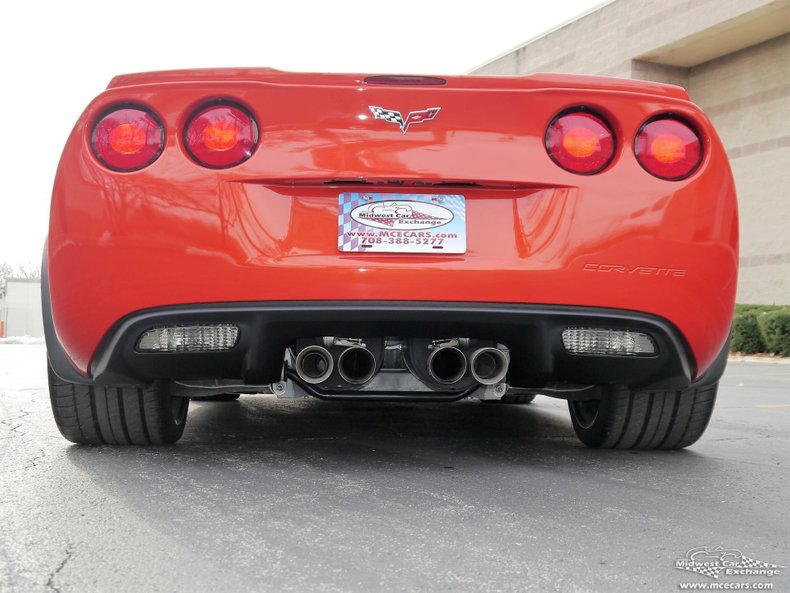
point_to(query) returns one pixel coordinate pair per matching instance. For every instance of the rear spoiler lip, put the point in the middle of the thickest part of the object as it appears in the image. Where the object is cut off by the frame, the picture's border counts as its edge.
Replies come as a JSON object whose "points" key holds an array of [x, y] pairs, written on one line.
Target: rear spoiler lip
{"points": [[529, 82]]}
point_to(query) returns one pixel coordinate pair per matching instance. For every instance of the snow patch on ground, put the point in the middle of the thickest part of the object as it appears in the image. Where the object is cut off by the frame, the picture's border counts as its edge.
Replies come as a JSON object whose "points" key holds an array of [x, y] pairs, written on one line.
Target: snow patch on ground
{"points": [[22, 340]]}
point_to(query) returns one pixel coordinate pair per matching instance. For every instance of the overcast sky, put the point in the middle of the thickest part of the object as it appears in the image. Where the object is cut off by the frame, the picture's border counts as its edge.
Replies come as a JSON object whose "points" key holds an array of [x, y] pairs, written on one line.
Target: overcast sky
{"points": [[56, 56]]}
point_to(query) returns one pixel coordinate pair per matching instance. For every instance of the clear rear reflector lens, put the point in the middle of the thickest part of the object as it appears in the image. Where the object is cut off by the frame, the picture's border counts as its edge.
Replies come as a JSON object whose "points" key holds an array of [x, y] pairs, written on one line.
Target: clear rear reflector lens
{"points": [[189, 338], [607, 342]]}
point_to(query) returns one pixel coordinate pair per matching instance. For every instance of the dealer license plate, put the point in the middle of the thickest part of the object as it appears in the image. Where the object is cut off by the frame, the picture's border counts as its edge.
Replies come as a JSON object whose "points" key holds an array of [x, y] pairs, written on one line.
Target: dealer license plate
{"points": [[401, 223]]}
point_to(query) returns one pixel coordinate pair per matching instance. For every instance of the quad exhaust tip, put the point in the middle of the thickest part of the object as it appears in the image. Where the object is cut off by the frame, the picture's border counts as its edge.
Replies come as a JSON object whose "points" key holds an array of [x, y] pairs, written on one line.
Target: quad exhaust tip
{"points": [[489, 365], [447, 364], [356, 365], [314, 364]]}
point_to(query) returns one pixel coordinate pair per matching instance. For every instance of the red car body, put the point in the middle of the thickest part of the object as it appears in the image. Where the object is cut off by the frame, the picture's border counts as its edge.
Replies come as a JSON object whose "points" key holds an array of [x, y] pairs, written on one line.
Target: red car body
{"points": [[177, 233]]}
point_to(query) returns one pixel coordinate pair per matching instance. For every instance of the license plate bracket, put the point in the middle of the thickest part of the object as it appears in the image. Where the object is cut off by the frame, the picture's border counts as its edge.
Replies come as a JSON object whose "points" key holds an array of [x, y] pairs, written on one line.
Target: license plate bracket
{"points": [[370, 222]]}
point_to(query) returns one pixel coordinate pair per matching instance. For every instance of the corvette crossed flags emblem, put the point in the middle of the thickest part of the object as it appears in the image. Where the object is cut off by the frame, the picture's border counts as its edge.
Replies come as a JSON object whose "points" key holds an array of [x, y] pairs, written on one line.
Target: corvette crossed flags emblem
{"points": [[395, 117]]}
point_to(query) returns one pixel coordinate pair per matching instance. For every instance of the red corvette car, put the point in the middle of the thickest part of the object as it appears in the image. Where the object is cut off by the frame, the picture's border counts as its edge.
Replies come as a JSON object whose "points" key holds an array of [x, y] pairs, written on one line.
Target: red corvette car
{"points": [[396, 238]]}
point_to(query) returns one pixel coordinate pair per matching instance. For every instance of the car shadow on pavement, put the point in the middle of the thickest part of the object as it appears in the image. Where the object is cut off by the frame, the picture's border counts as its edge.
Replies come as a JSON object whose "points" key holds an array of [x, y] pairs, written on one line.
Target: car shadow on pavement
{"points": [[347, 434], [254, 419]]}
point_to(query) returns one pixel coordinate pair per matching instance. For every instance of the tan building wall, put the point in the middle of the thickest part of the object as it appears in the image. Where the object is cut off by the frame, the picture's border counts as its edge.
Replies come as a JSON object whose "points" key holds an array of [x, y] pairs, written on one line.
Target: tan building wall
{"points": [[733, 56]]}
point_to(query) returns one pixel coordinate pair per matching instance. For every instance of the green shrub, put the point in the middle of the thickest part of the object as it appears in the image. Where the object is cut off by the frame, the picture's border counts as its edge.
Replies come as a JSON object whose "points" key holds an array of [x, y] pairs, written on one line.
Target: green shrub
{"points": [[775, 329], [756, 309], [741, 309], [746, 334]]}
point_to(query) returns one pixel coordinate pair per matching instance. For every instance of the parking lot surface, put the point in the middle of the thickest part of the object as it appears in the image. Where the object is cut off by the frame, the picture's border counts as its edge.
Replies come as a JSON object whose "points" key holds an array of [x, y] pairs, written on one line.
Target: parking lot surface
{"points": [[267, 495]]}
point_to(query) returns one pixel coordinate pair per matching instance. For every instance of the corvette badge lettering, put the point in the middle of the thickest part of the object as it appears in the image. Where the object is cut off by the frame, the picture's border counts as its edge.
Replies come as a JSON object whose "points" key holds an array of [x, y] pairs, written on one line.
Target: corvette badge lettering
{"points": [[395, 117], [640, 270]]}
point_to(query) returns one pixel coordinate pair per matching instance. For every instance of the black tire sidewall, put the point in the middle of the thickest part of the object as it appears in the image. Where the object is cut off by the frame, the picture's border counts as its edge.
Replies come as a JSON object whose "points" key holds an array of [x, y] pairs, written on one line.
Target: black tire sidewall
{"points": [[596, 432]]}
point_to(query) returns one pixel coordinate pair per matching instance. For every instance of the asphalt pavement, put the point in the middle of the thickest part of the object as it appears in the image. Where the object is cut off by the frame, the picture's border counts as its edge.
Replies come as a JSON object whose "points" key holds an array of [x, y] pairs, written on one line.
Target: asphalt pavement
{"points": [[307, 496]]}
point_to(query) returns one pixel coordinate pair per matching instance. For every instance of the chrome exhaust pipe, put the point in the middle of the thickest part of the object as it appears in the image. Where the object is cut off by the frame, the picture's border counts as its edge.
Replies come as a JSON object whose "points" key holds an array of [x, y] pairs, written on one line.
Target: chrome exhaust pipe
{"points": [[489, 365], [447, 364], [356, 365], [314, 364]]}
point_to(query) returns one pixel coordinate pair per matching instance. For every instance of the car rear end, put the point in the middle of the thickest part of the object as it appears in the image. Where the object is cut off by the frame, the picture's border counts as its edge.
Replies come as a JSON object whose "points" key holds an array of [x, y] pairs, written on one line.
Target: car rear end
{"points": [[212, 225]]}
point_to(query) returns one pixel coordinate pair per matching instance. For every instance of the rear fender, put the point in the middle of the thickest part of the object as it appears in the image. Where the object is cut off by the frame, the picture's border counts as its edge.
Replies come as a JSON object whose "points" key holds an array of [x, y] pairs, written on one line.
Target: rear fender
{"points": [[58, 360]]}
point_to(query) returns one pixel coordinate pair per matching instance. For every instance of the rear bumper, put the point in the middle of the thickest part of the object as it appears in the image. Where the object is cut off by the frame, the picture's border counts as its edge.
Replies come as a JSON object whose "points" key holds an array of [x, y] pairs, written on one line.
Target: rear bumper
{"points": [[549, 246], [532, 332]]}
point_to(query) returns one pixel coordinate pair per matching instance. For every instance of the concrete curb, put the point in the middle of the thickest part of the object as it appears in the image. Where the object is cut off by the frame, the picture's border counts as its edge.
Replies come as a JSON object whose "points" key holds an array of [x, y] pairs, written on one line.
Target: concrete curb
{"points": [[763, 359]]}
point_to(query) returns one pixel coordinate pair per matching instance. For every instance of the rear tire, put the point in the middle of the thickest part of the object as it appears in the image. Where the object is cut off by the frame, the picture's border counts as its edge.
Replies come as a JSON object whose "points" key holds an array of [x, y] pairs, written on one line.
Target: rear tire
{"points": [[623, 419], [128, 415]]}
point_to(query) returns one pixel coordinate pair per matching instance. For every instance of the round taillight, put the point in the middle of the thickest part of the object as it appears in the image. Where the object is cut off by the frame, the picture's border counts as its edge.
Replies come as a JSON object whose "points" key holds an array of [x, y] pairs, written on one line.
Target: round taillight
{"points": [[221, 136], [127, 138], [580, 142], [668, 148]]}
